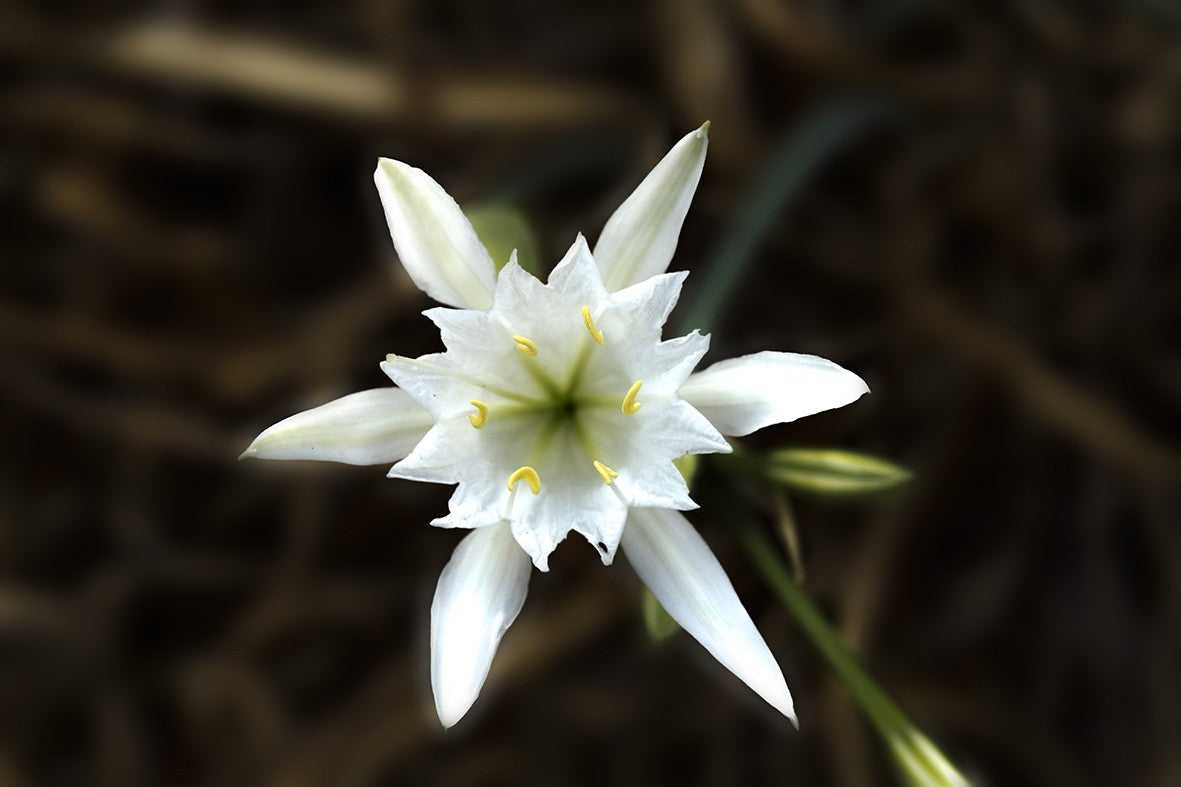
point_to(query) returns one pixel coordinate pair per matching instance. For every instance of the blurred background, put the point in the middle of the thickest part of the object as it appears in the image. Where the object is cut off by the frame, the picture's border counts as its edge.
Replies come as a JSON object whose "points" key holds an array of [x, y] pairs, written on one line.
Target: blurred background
{"points": [[973, 205]]}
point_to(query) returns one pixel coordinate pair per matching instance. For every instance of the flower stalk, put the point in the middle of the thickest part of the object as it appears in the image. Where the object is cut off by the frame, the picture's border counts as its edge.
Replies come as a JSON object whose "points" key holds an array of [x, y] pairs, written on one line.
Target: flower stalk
{"points": [[919, 761]]}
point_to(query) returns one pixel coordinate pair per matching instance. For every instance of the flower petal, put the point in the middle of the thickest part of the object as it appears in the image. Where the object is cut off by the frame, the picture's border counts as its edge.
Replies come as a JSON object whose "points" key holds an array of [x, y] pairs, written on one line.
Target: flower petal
{"points": [[681, 571], [367, 428], [744, 394], [641, 236], [648, 303], [577, 273], [573, 497], [435, 241], [480, 592], [675, 359]]}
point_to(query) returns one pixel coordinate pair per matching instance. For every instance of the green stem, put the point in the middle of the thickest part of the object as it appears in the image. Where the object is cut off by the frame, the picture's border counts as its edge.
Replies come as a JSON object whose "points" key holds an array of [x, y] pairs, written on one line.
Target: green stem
{"points": [[886, 716], [918, 760], [761, 550]]}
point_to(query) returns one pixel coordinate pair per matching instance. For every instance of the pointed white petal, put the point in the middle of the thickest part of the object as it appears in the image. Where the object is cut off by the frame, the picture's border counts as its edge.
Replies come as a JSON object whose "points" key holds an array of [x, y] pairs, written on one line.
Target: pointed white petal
{"points": [[435, 241], [517, 288], [646, 305], [676, 359], [366, 428], [573, 497], [641, 236], [479, 594], [744, 394], [681, 571], [576, 272], [643, 450]]}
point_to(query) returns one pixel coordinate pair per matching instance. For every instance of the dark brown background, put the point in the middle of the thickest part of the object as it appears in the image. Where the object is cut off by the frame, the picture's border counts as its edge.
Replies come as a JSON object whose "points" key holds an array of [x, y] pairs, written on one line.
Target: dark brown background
{"points": [[193, 249]]}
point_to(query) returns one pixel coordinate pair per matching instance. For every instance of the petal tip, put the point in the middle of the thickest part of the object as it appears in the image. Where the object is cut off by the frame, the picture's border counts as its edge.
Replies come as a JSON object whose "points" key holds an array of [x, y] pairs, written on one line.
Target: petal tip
{"points": [[703, 132], [451, 712], [384, 162], [778, 696], [861, 384], [249, 452], [606, 553], [859, 388], [722, 446], [385, 171]]}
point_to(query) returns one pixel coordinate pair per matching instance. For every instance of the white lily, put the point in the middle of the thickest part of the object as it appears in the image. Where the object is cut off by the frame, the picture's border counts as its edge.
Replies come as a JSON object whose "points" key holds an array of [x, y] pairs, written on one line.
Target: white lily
{"points": [[558, 407]]}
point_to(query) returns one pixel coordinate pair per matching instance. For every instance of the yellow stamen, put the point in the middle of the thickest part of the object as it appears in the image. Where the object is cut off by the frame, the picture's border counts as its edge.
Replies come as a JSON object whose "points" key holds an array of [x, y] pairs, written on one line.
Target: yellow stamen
{"points": [[606, 472], [595, 333], [525, 346], [480, 417], [530, 475], [630, 405]]}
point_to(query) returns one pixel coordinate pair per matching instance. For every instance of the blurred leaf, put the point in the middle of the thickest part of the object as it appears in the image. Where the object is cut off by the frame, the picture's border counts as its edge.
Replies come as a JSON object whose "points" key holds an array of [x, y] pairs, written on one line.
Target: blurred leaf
{"points": [[806, 147], [920, 763], [688, 465], [659, 623], [830, 471], [786, 521], [502, 228]]}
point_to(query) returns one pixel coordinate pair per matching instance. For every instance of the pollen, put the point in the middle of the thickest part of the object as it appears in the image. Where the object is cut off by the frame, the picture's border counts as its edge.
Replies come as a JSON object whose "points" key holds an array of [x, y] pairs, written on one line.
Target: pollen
{"points": [[606, 472], [589, 321], [480, 417], [530, 476], [526, 346], [630, 405]]}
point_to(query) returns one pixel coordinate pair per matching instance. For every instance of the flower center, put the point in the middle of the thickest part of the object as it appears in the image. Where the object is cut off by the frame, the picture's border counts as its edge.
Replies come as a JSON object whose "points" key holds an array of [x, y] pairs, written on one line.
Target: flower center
{"points": [[562, 410]]}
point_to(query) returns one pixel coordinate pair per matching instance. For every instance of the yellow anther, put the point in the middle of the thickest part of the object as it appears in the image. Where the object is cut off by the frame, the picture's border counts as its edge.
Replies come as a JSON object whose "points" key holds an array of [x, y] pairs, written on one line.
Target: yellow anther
{"points": [[630, 405], [480, 417], [606, 472], [595, 333], [525, 346], [530, 475]]}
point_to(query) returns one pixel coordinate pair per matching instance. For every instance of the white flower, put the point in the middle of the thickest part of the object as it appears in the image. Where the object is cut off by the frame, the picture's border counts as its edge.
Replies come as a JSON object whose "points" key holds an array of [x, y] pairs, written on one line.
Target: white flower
{"points": [[558, 407]]}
